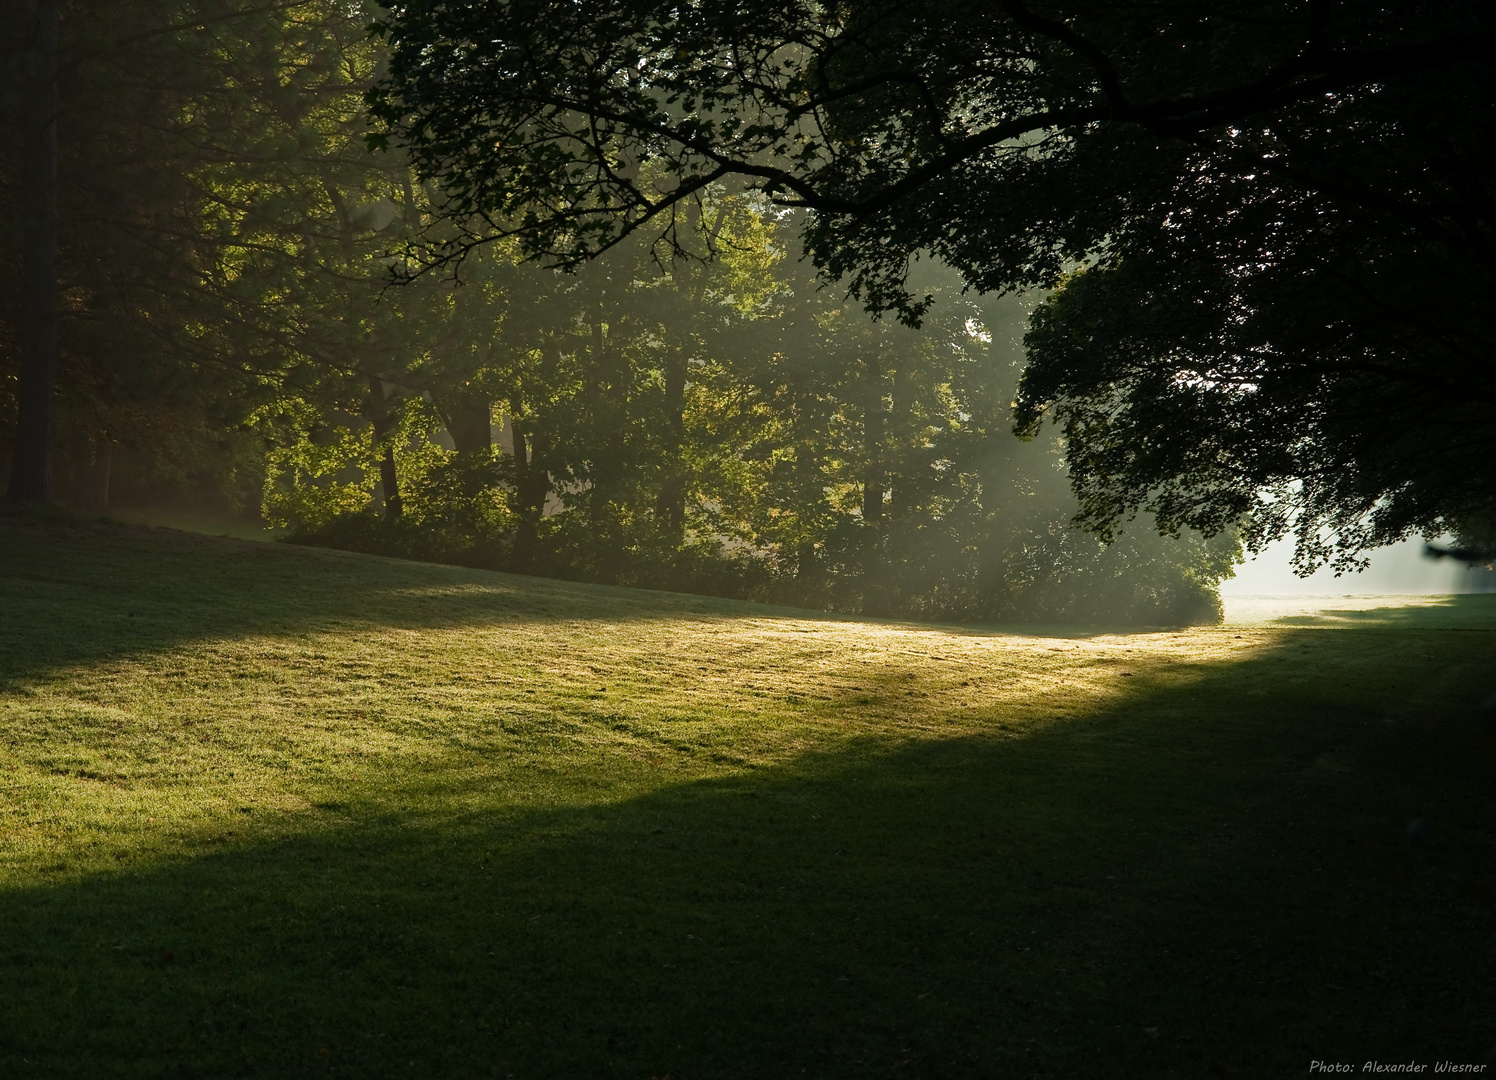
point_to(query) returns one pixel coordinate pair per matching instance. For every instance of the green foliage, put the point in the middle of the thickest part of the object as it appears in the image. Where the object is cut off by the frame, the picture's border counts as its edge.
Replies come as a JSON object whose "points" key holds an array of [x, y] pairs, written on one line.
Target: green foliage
{"points": [[225, 236], [730, 427], [312, 481], [695, 414], [1285, 210], [463, 493]]}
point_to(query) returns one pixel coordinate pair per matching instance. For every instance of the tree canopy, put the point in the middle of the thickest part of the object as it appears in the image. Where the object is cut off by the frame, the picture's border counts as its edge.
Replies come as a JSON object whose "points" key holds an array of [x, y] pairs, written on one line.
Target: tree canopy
{"points": [[227, 337], [1267, 224]]}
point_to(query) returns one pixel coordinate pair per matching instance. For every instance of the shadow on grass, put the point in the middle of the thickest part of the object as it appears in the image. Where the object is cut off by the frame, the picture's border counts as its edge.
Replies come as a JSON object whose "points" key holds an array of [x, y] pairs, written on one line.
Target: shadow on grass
{"points": [[1163, 889], [79, 592]]}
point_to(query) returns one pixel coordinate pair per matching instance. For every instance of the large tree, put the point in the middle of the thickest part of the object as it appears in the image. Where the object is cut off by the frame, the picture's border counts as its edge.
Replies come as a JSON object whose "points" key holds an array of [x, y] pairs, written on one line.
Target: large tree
{"points": [[1270, 221], [217, 233], [31, 468]]}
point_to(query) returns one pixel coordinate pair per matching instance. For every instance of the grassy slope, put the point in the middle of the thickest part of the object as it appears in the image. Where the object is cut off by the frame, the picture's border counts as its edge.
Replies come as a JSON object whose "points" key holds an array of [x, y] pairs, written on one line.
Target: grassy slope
{"points": [[290, 812]]}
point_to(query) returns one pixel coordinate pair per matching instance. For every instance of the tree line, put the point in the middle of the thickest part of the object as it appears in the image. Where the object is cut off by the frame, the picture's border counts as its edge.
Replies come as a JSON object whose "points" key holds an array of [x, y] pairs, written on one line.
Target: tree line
{"points": [[249, 308]]}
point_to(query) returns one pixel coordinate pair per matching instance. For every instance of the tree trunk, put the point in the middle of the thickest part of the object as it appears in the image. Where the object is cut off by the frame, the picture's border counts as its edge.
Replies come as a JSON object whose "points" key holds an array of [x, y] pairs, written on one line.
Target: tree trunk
{"points": [[532, 486], [389, 480], [610, 390], [470, 423], [91, 473], [384, 425], [524, 530], [31, 468], [904, 490], [872, 481], [670, 506]]}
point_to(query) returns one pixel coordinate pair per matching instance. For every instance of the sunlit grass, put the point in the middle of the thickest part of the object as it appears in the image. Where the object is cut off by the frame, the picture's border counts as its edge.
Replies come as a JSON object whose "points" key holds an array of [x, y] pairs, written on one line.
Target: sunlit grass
{"points": [[281, 810]]}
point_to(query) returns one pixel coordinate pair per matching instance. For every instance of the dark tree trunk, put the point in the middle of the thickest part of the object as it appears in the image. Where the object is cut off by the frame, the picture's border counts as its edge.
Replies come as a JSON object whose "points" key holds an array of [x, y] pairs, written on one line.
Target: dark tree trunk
{"points": [[903, 488], [389, 480], [602, 469], [103, 471], [537, 478], [31, 468], [872, 482], [521, 451], [670, 506], [532, 486], [525, 533], [93, 462], [610, 396], [470, 423], [384, 426]]}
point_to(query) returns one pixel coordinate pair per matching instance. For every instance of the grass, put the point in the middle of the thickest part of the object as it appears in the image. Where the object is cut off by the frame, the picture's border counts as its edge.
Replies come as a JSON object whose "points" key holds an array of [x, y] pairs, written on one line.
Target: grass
{"points": [[289, 812]]}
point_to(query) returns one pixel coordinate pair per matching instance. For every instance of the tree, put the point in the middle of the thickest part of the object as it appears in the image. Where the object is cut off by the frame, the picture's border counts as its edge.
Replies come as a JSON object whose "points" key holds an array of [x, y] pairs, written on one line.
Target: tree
{"points": [[1280, 212], [730, 427], [113, 291], [223, 244], [31, 468]]}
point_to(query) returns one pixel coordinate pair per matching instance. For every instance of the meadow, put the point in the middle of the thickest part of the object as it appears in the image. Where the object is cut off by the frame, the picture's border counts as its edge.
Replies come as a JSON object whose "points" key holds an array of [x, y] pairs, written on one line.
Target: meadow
{"points": [[276, 811]]}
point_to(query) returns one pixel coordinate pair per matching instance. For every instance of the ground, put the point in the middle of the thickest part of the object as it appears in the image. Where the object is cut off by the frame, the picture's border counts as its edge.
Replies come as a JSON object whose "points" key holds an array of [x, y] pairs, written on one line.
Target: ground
{"points": [[276, 811]]}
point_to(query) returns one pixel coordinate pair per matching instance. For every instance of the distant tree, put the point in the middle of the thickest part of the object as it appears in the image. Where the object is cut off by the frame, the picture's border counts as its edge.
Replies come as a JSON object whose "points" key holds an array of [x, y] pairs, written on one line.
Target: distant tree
{"points": [[1270, 223]]}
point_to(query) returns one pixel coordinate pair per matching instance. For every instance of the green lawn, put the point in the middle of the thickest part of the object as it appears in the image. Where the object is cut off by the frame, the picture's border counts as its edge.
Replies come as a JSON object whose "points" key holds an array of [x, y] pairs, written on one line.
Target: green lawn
{"points": [[287, 812]]}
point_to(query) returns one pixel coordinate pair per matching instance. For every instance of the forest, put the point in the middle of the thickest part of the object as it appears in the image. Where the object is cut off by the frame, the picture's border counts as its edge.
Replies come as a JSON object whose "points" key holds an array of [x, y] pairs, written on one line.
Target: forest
{"points": [[247, 325]]}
